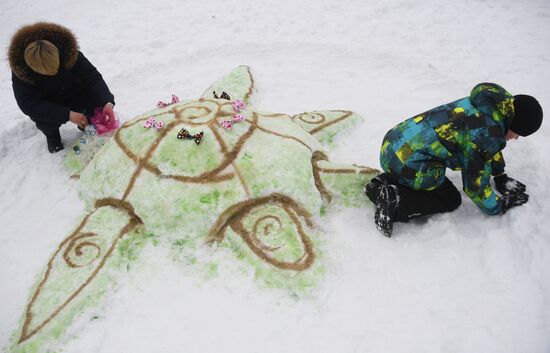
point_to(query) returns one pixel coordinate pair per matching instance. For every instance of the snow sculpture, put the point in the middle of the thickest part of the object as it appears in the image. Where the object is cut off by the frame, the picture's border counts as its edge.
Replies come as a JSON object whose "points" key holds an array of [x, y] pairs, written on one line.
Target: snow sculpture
{"points": [[192, 173]]}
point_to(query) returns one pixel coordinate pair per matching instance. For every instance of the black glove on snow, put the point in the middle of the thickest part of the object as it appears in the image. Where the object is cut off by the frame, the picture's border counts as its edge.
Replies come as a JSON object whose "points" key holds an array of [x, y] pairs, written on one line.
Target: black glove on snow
{"points": [[512, 200], [506, 185]]}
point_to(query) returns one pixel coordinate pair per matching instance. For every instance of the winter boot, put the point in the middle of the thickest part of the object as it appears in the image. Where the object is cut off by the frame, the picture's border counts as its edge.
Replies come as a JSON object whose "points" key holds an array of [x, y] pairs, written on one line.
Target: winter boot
{"points": [[372, 189], [386, 207], [54, 144]]}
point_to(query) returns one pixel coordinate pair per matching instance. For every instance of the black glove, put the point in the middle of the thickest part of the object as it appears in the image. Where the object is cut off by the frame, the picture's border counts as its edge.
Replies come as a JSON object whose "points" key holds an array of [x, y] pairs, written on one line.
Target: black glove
{"points": [[512, 200], [506, 185]]}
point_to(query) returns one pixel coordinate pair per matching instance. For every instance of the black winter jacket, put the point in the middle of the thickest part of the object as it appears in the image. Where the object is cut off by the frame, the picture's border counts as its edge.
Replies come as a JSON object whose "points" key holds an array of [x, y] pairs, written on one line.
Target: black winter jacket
{"points": [[78, 86]]}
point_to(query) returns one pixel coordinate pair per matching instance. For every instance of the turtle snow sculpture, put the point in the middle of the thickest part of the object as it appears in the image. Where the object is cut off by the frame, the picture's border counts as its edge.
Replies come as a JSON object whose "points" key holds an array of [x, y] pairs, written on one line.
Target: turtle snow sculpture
{"points": [[196, 172]]}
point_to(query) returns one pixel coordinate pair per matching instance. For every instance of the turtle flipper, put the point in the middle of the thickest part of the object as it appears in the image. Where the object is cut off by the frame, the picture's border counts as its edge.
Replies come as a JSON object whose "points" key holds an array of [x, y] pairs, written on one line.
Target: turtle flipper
{"points": [[340, 182], [275, 228], [324, 125], [75, 272], [239, 83], [83, 151]]}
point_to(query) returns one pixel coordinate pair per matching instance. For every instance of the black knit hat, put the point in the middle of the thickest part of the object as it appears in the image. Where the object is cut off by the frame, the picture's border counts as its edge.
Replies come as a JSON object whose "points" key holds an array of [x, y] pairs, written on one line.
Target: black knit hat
{"points": [[527, 115]]}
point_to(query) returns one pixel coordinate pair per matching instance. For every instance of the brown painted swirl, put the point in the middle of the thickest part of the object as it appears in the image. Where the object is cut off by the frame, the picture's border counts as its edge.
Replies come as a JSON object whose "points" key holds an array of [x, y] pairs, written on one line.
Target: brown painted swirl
{"points": [[266, 226], [79, 249], [312, 118], [239, 217]]}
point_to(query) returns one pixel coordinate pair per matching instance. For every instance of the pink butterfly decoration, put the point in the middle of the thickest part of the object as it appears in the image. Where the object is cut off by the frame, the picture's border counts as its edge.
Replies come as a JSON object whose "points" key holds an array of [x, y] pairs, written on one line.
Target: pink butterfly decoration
{"points": [[239, 105], [150, 122], [228, 124], [162, 104]]}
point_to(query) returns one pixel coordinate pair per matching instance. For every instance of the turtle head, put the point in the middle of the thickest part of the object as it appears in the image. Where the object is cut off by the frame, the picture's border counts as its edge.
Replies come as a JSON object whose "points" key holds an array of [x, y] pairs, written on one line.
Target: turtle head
{"points": [[239, 83]]}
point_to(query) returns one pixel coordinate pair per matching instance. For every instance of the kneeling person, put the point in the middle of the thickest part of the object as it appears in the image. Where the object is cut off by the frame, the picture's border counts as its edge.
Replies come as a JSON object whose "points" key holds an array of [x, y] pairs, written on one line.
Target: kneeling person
{"points": [[467, 135]]}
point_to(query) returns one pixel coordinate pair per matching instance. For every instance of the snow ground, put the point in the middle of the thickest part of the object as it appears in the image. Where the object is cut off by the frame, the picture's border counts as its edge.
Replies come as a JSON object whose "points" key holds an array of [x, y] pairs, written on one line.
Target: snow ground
{"points": [[460, 282]]}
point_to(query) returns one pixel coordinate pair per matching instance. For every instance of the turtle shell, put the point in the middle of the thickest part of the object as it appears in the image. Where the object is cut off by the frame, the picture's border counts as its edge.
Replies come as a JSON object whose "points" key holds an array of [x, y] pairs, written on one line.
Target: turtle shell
{"points": [[194, 177]]}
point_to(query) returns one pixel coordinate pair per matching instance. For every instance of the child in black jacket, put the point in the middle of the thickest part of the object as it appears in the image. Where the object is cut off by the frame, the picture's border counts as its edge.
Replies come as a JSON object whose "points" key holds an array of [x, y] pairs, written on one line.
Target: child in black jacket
{"points": [[53, 82]]}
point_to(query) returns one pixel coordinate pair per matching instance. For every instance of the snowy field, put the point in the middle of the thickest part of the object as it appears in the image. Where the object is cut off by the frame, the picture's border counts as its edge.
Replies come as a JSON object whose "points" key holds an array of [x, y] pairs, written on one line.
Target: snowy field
{"points": [[460, 282]]}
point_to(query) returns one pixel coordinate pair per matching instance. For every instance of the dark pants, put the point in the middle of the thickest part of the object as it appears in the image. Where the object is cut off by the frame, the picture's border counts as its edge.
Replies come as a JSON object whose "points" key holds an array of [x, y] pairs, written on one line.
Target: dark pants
{"points": [[52, 130], [416, 203]]}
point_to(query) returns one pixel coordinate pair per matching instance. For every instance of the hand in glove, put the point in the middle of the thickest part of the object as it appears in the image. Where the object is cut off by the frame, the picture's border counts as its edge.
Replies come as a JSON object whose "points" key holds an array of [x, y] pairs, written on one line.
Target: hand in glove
{"points": [[512, 200], [109, 112], [506, 185]]}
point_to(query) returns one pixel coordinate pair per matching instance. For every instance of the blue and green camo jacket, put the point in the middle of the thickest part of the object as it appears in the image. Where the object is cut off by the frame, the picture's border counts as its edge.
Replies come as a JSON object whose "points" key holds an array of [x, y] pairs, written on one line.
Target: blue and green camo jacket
{"points": [[466, 135]]}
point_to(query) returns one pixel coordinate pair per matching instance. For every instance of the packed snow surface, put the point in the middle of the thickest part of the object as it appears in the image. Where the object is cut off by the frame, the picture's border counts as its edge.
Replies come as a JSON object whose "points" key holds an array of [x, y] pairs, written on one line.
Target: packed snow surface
{"points": [[458, 282]]}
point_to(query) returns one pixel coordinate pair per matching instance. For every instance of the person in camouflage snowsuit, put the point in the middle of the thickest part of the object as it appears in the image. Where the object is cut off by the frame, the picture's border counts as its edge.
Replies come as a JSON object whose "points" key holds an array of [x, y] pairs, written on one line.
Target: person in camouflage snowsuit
{"points": [[467, 135]]}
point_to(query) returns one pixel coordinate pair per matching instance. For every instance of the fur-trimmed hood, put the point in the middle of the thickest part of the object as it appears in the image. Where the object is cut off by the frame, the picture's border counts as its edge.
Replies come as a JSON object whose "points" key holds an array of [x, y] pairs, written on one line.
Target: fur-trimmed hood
{"points": [[60, 36]]}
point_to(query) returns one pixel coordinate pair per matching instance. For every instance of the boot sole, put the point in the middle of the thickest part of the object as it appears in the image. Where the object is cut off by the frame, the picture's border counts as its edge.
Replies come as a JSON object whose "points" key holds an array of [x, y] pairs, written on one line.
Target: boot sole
{"points": [[386, 206]]}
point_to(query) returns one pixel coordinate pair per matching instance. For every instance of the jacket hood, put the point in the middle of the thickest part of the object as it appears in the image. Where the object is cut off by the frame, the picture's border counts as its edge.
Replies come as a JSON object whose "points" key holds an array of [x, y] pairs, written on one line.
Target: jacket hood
{"points": [[60, 36], [495, 102]]}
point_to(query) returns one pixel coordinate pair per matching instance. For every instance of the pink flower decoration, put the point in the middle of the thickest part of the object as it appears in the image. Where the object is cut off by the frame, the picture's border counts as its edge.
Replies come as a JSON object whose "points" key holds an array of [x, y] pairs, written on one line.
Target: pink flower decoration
{"points": [[102, 126], [159, 125], [175, 99], [238, 117]]}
